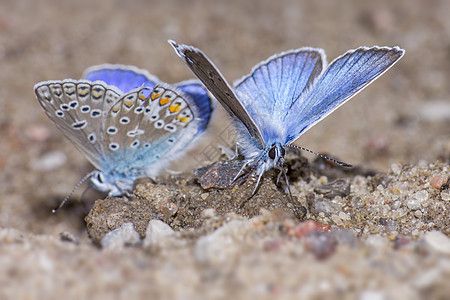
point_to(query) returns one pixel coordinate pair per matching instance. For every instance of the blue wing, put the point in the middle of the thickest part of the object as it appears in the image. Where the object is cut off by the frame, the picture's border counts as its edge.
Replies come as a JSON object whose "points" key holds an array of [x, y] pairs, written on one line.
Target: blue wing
{"points": [[205, 70], [345, 77], [125, 78], [201, 101], [274, 85]]}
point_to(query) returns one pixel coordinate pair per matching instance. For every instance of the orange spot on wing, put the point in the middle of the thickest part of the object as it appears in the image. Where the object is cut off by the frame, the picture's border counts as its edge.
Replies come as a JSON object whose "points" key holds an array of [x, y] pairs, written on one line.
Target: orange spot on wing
{"points": [[183, 119], [128, 103], [154, 96], [174, 108], [163, 101], [116, 108]]}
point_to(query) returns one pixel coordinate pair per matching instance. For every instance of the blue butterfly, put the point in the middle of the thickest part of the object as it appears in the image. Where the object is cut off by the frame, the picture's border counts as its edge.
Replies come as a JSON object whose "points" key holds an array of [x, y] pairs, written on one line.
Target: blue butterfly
{"points": [[126, 121], [286, 95]]}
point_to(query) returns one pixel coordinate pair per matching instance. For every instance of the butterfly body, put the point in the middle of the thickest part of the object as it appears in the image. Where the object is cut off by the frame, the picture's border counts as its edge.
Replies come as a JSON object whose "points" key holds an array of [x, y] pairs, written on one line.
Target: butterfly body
{"points": [[126, 122], [287, 94]]}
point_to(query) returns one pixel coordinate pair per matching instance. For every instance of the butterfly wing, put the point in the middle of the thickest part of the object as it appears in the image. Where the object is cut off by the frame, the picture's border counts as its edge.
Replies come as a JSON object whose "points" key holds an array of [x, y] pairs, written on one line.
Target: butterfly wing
{"points": [[201, 101], [205, 70], [77, 108], [147, 129], [274, 85], [125, 78], [344, 78]]}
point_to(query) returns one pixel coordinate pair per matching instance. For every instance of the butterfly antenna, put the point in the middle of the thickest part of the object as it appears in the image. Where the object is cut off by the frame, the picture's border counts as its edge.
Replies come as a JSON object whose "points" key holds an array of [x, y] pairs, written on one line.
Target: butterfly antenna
{"points": [[73, 191], [342, 164]]}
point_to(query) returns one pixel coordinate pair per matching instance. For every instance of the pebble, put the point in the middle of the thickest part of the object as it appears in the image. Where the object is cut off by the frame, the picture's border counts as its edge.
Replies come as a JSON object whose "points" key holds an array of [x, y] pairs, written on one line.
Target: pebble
{"points": [[396, 168], [305, 228], [438, 241], [413, 204], [169, 209], [218, 247], [323, 205], [321, 244], [156, 232], [438, 180], [68, 237], [445, 196], [338, 187], [345, 236], [123, 236], [421, 196]]}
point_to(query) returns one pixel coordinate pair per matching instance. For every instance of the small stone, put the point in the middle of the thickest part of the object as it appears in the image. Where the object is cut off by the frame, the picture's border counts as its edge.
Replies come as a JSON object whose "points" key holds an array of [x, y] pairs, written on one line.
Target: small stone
{"points": [[123, 236], [305, 228], [344, 216], [337, 220], [396, 168], [438, 241], [345, 236], [438, 180], [156, 232], [68, 237], [323, 205], [421, 196], [445, 196], [391, 225], [413, 204], [169, 209], [221, 174], [338, 187], [204, 196], [418, 214], [220, 246], [321, 244]]}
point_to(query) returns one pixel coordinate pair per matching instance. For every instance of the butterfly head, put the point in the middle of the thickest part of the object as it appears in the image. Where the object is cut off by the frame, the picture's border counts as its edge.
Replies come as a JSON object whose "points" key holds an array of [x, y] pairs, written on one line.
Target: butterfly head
{"points": [[276, 154], [110, 184], [273, 157]]}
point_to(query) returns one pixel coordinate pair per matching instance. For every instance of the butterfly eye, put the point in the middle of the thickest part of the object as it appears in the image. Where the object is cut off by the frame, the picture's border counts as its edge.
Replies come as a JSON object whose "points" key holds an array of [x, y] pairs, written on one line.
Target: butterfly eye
{"points": [[100, 177], [272, 153]]}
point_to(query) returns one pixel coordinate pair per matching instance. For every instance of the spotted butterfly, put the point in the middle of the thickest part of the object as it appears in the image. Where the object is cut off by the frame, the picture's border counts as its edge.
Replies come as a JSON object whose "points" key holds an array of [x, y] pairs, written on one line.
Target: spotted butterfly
{"points": [[126, 121]]}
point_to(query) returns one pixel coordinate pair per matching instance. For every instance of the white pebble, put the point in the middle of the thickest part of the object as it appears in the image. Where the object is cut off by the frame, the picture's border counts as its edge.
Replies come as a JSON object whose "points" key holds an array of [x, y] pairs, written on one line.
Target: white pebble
{"points": [[396, 168], [123, 236], [445, 196], [156, 232], [223, 244], [421, 196], [413, 204]]}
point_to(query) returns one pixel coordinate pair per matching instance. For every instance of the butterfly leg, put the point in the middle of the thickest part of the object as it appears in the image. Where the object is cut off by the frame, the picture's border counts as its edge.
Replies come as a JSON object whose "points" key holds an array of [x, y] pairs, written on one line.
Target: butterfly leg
{"points": [[257, 183], [279, 176], [283, 172], [241, 171]]}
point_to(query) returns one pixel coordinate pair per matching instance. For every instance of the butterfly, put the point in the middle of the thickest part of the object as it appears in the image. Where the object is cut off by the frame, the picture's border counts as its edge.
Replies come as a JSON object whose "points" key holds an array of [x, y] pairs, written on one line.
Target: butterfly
{"points": [[126, 121], [286, 95]]}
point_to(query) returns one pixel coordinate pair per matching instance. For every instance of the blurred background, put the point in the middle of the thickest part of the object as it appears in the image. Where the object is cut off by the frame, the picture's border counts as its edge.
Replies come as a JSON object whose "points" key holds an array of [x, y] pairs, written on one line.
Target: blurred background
{"points": [[404, 116]]}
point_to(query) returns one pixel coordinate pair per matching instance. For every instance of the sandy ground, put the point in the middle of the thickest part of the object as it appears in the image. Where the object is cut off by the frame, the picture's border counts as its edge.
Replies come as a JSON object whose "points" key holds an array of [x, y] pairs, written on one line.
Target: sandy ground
{"points": [[387, 238]]}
